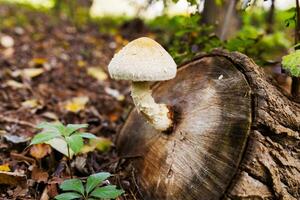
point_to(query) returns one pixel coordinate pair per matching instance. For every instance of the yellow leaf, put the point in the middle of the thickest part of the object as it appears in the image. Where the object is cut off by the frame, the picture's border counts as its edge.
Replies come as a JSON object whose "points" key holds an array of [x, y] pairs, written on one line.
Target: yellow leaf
{"points": [[5, 167], [81, 63], [31, 103], [32, 72], [38, 61], [99, 143], [14, 84], [97, 73], [76, 104]]}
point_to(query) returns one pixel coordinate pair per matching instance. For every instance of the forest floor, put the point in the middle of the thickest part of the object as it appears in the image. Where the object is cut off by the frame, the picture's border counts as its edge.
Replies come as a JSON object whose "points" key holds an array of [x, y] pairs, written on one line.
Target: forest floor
{"points": [[55, 71]]}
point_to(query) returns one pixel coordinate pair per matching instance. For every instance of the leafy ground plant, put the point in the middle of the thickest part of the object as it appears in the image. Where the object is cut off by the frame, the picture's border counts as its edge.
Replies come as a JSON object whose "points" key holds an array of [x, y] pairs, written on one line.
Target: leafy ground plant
{"points": [[66, 139], [75, 189]]}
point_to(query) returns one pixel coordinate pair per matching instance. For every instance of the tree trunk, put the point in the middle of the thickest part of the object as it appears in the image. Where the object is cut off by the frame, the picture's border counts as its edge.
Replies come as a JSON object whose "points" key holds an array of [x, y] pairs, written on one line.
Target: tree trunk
{"points": [[270, 168], [223, 17], [218, 150]]}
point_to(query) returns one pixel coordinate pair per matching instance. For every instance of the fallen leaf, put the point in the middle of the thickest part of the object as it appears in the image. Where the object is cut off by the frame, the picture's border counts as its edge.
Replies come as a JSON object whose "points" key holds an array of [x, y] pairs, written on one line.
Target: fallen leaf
{"points": [[8, 53], [12, 178], [7, 41], [60, 145], [81, 63], [5, 167], [50, 115], [114, 93], [32, 72], [14, 84], [113, 117], [39, 151], [31, 103], [100, 143], [97, 73], [16, 139], [37, 61], [39, 175], [76, 104], [28, 72]]}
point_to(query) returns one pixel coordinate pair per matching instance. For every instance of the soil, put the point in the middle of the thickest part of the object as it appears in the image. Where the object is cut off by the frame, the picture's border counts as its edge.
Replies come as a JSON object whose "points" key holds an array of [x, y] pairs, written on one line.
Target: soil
{"points": [[65, 53]]}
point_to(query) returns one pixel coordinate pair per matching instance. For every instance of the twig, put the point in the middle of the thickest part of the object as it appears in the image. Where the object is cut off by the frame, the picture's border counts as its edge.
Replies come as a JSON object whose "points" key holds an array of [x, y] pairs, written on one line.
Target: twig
{"points": [[135, 184]]}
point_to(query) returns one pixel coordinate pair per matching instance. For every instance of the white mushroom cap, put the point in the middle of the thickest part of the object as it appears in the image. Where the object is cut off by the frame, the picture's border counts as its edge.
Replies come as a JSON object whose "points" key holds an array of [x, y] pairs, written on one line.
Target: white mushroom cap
{"points": [[142, 59]]}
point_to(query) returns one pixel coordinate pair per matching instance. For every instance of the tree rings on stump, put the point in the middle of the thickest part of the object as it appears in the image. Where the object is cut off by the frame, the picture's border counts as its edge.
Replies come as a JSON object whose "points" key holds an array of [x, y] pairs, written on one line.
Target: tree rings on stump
{"points": [[211, 101]]}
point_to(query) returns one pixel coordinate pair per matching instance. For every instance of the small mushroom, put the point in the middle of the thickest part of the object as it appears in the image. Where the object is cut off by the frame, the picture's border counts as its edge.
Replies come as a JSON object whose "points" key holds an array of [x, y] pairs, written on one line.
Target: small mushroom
{"points": [[143, 61]]}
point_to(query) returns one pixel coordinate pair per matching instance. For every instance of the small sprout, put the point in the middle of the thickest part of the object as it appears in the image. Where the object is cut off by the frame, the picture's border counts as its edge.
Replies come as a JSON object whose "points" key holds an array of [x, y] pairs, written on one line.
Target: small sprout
{"points": [[75, 189], [57, 135]]}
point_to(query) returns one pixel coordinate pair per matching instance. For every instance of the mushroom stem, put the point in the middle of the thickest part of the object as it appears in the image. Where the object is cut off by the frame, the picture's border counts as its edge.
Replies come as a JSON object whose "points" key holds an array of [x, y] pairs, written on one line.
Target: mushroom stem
{"points": [[156, 114]]}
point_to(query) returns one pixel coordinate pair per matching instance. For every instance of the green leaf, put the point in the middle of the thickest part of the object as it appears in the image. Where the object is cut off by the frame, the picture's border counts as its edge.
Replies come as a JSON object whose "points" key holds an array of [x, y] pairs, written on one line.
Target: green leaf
{"points": [[72, 185], [291, 63], [75, 142], [86, 135], [60, 144], [68, 196], [107, 192], [71, 128], [44, 137], [56, 127], [95, 179]]}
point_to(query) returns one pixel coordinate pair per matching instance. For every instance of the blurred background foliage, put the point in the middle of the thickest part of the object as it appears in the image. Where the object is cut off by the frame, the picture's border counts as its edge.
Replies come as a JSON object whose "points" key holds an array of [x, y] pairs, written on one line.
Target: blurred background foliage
{"points": [[264, 33]]}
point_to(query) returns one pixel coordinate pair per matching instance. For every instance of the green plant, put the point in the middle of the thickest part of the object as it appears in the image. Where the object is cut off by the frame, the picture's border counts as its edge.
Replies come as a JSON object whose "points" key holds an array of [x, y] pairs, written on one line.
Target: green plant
{"points": [[68, 140], [75, 189], [53, 132], [291, 63]]}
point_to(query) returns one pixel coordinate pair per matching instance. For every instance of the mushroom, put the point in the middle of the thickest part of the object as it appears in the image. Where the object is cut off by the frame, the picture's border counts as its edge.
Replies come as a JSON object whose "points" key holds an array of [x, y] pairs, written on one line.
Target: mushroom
{"points": [[143, 61], [211, 100]]}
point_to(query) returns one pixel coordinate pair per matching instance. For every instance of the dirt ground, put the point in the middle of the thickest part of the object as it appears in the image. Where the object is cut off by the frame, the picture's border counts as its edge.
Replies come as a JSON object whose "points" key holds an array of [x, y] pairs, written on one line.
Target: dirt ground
{"points": [[49, 66]]}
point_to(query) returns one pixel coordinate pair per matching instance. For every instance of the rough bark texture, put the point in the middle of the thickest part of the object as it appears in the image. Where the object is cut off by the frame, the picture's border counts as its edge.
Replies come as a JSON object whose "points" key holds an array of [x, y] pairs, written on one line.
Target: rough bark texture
{"points": [[270, 167]]}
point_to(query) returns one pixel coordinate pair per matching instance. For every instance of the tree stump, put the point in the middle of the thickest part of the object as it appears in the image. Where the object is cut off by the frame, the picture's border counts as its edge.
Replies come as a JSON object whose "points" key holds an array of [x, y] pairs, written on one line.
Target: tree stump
{"points": [[236, 135]]}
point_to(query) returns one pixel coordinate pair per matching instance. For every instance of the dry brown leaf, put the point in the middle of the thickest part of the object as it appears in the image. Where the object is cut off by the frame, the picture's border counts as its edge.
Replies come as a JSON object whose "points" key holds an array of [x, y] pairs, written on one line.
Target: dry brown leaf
{"points": [[12, 178], [39, 175], [39, 151], [14, 84]]}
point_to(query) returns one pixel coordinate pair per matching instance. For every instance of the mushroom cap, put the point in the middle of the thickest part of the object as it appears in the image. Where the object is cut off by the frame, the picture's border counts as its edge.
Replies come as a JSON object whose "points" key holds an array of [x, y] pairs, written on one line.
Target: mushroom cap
{"points": [[142, 59]]}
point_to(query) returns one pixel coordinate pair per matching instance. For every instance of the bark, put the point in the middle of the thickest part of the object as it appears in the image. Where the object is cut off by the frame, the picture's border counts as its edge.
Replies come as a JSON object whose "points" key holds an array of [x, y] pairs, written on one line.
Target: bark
{"points": [[223, 17], [270, 164]]}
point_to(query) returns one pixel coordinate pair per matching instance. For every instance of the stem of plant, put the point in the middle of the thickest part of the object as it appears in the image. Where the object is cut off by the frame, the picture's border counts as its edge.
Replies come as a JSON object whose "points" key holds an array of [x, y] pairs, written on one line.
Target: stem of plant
{"points": [[69, 161]]}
